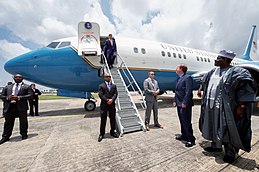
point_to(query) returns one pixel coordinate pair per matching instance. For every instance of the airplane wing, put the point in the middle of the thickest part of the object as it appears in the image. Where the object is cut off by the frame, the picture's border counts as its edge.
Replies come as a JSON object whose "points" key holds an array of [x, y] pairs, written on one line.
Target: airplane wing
{"points": [[198, 76], [252, 65]]}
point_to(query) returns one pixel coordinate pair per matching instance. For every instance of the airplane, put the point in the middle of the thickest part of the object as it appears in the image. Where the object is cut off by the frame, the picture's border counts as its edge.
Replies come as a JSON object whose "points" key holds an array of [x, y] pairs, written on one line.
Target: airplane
{"points": [[63, 64]]}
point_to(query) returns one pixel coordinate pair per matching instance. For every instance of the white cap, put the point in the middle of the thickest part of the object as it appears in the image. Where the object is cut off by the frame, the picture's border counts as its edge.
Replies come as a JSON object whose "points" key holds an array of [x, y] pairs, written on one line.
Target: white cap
{"points": [[228, 54]]}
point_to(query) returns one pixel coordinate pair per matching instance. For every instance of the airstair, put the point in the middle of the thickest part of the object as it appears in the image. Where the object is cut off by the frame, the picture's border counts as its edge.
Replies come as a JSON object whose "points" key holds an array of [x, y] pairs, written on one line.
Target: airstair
{"points": [[128, 118]]}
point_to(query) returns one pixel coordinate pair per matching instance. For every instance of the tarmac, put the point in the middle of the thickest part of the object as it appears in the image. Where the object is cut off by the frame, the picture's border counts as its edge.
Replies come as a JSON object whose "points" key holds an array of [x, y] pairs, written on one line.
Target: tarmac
{"points": [[64, 138]]}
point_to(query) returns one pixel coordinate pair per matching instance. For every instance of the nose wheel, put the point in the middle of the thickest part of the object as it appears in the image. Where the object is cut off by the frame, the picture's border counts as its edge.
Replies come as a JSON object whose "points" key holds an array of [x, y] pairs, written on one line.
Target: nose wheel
{"points": [[90, 105]]}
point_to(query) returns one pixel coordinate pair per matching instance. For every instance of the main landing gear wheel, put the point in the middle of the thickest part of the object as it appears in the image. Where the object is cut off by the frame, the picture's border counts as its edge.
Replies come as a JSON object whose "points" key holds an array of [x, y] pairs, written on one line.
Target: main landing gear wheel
{"points": [[90, 105]]}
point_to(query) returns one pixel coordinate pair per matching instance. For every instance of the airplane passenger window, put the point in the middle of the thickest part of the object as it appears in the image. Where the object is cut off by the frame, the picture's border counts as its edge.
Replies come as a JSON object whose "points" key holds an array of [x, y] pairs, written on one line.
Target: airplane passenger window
{"points": [[168, 54], [184, 56], [163, 53], [64, 44], [135, 50], [53, 45], [143, 51], [174, 55], [179, 55]]}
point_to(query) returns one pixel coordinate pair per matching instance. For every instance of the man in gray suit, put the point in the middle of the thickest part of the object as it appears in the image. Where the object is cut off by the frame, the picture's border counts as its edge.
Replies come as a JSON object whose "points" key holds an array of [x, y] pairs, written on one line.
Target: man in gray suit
{"points": [[15, 96], [151, 89]]}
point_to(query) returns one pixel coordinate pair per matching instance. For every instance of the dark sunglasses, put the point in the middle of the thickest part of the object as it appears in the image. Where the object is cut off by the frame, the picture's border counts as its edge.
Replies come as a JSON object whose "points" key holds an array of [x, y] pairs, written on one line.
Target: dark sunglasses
{"points": [[152, 74], [107, 76], [17, 77]]}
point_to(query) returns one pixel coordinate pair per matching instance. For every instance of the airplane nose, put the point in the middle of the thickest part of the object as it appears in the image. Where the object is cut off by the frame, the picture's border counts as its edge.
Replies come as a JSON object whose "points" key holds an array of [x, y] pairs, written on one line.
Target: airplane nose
{"points": [[18, 64], [11, 66]]}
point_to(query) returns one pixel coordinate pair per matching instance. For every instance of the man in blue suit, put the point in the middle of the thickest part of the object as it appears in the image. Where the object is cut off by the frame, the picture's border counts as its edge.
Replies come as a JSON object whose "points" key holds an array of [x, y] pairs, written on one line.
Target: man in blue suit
{"points": [[183, 101], [110, 50]]}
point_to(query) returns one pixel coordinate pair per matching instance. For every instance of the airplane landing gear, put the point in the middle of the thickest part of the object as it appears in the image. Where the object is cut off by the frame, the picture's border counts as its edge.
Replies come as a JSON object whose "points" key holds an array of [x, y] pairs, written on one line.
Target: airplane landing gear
{"points": [[90, 105]]}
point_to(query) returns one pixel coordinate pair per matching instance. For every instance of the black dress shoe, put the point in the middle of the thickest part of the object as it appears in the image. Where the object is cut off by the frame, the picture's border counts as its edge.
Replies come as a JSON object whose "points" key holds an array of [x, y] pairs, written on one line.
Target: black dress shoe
{"points": [[189, 144], [115, 134], [179, 137], [229, 159], [212, 149], [24, 137], [4, 140], [100, 138], [159, 126]]}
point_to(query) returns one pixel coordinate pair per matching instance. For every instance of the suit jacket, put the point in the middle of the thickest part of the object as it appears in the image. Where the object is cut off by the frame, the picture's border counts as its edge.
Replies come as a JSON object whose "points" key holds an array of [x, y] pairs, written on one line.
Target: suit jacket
{"points": [[105, 94], [36, 97], [24, 94], [183, 90], [149, 90], [110, 49]]}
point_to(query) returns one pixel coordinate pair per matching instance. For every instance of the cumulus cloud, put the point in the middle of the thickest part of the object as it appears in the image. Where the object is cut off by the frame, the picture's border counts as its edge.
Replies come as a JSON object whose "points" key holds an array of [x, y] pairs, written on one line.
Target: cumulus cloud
{"points": [[9, 50], [208, 25]]}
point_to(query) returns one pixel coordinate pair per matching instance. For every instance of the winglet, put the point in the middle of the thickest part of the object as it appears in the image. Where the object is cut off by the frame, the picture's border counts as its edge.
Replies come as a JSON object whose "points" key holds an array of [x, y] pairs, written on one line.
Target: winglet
{"points": [[251, 47]]}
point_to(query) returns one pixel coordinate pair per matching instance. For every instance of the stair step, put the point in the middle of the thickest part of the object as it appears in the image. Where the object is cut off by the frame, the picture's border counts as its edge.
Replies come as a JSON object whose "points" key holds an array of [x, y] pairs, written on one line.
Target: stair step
{"points": [[132, 129], [128, 115], [127, 123]]}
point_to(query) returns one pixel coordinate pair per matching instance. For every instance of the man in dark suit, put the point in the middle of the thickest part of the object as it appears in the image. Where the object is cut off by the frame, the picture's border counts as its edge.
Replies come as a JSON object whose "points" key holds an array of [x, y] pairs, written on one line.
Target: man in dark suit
{"points": [[16, 96], [34, 102], [183, 101], [108, 94], [110, 50]]}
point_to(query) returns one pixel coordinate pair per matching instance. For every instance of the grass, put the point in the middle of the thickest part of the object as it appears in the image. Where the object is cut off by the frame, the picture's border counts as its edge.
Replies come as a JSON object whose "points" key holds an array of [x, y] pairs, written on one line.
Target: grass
{"points": [[51, 97], [54, 96]]}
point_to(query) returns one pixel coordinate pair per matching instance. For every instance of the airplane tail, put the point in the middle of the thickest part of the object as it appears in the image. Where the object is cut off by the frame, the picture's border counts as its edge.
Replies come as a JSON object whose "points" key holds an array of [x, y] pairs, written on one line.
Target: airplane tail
{"points": [[251, 47]]}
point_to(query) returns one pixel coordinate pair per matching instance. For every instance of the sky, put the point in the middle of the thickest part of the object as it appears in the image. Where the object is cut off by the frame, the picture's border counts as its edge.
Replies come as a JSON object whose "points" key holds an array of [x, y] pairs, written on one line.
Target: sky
{"points": [[207, 25]]}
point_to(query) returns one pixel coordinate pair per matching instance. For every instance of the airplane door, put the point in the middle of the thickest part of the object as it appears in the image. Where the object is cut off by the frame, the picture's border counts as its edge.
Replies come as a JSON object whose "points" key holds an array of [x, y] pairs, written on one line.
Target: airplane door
{"points": [[89, 39]]}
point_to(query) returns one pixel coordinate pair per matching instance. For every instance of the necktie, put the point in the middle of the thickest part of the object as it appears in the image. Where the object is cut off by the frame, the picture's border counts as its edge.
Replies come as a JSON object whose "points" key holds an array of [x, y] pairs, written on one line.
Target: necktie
{"points": [[16, 90], [109, 87]]}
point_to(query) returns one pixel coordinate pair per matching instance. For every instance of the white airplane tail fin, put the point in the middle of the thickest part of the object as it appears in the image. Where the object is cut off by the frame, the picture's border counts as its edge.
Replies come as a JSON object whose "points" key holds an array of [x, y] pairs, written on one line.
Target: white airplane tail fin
{"points": [[251, 47]]}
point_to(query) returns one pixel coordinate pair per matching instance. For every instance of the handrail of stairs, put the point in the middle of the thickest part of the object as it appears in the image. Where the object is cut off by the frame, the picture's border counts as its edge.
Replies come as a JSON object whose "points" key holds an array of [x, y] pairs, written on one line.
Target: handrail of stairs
{"points": [[132, 80]]}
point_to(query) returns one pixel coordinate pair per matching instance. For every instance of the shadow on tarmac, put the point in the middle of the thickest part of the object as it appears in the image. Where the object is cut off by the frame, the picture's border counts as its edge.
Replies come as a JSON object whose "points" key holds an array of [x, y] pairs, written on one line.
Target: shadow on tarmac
{"points": [[19, 138]]}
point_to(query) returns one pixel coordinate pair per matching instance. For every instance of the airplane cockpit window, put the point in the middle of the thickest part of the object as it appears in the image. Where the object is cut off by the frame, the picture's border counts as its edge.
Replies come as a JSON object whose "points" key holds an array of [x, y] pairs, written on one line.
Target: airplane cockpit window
{"points": [[179, 55], [184, 56], [64, 44], [53, 45], [208, 60], [143, 51], [174, 55], [198, 59], [135, 50], [168, 54]]}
